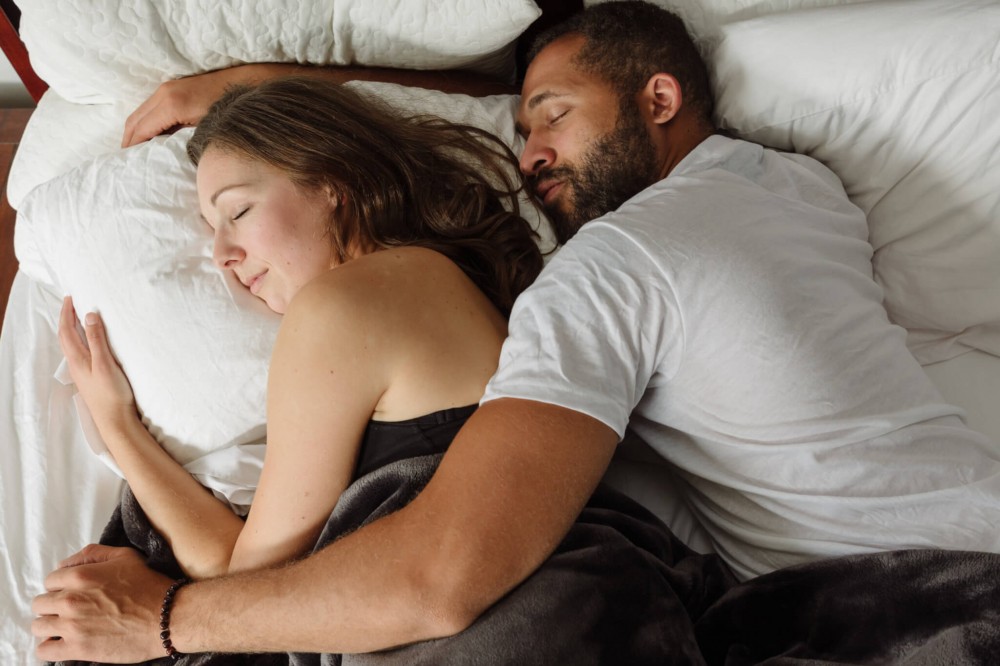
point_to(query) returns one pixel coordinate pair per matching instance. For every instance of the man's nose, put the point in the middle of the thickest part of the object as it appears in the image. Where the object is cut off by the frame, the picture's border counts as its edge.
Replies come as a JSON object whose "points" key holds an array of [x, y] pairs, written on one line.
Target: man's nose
{"points": [[536, 156]]}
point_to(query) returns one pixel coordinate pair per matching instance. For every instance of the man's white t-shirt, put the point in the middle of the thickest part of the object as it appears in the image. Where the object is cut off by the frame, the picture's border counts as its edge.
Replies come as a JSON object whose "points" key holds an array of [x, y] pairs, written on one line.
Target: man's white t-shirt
{"points": [[728, 315]]}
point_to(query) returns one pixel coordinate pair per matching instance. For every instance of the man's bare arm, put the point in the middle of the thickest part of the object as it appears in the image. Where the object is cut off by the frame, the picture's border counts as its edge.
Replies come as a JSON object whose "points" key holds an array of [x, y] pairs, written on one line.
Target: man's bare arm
{"points": [[505, 494], [183, 102]]}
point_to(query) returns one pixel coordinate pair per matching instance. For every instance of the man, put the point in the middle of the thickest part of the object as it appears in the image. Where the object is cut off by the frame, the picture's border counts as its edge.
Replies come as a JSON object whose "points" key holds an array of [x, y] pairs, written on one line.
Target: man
{"points": [[725, 309]]}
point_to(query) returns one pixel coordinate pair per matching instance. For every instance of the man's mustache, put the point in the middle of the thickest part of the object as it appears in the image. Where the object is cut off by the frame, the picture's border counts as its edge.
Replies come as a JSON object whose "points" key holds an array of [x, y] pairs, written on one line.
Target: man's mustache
{"points": [[562, 173]]}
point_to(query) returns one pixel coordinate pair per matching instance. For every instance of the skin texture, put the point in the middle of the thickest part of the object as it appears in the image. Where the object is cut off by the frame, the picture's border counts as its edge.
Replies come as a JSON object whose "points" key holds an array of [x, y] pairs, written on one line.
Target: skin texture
{"points": [[200, 529], [506, 492], [269, 232], [574, 125]]}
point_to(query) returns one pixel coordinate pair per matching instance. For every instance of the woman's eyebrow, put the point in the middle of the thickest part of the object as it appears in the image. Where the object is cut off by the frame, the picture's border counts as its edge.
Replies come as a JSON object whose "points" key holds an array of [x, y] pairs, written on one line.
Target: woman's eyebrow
{"points": [[223, 189]]}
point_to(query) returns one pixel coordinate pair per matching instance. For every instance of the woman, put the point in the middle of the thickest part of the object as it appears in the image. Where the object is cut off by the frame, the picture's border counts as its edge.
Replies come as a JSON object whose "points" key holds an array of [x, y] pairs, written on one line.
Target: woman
{"points": [[386, 244]]}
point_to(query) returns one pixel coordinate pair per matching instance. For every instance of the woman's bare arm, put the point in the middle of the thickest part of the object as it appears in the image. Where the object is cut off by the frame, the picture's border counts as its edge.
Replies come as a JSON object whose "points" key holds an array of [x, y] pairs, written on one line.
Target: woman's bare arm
{"points": [[200, 529], [506, 492], [326, 377]]}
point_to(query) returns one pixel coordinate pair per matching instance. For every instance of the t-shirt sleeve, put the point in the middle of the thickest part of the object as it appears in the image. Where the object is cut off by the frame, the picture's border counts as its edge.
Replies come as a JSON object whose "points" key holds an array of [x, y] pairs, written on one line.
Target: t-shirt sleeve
{"points": [[597, 326]]}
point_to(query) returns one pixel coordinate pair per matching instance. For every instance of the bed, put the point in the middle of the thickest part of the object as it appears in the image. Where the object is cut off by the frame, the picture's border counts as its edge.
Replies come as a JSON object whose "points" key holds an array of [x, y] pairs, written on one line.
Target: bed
{"points": [[900, 99]]}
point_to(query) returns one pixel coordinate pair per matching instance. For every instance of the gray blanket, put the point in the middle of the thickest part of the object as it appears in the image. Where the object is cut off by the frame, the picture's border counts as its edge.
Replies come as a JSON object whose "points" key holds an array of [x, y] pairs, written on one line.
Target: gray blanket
{"points": [[621, 589]]}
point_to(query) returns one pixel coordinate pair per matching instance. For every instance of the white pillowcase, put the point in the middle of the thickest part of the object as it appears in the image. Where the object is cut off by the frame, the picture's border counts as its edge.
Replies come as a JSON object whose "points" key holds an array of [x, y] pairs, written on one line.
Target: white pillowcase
{"points": [[704, 18], [93, 51], [121, 233], [901, 100], [61, 135]]}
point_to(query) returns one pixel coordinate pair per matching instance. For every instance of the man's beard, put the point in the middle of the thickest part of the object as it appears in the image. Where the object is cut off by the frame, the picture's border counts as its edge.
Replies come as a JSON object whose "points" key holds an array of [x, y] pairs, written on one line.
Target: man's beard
{"points": [[616, 167]]}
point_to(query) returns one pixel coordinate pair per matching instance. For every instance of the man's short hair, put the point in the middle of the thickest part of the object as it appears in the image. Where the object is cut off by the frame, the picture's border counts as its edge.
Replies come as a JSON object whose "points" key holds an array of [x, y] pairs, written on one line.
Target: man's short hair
{"points": [[628, 42]]}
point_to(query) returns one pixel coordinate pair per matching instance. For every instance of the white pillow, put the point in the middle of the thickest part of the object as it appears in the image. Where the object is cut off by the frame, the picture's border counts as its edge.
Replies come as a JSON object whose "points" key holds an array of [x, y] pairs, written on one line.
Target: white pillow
{"points": [[901, 100], [704, 18], [94, 51], [121, 233], [61, 135]]}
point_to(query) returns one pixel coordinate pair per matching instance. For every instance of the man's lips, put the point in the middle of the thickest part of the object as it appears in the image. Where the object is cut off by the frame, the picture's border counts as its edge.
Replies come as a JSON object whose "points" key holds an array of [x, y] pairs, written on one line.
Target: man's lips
{"points": [[547, 190]]}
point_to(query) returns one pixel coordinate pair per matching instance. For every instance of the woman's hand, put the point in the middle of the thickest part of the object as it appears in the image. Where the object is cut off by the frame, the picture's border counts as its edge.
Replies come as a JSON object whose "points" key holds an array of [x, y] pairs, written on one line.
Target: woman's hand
{"points": [[96, 373]]}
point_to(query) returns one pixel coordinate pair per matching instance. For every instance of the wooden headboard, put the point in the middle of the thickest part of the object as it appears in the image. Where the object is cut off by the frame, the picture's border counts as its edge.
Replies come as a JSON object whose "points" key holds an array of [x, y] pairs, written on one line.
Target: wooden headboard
{"points": [[14, 49], [553, 11]]}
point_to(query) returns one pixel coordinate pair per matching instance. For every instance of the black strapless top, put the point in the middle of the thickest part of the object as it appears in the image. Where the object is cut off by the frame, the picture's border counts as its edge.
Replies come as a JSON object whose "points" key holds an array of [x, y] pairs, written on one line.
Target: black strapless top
{"points": [[385, 442]]}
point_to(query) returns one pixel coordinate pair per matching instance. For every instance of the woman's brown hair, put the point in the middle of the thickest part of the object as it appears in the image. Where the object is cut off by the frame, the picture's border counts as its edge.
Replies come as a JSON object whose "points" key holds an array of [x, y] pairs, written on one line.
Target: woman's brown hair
{"points": [[407, 180]]}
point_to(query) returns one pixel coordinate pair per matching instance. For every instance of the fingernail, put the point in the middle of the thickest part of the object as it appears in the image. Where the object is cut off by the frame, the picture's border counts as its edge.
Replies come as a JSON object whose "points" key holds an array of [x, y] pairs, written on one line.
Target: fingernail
{"points": [[91, 319]]}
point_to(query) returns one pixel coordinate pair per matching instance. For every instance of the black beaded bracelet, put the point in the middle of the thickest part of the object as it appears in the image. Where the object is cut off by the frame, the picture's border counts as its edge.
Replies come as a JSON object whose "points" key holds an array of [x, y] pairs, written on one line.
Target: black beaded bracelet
{"points": [[168, 602]]}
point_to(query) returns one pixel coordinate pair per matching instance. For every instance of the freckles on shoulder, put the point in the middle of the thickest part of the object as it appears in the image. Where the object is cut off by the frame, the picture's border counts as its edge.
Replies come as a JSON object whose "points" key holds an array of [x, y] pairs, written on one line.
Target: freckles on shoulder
{"points": [[385, 293], [364, 291]]}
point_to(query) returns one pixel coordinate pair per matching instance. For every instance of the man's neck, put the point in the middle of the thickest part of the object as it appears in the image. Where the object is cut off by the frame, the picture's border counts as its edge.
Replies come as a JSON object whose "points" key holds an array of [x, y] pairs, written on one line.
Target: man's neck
{"points": [[681, 138]]}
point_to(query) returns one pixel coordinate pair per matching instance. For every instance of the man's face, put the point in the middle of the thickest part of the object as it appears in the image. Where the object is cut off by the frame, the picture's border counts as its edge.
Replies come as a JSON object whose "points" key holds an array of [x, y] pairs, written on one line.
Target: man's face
{"points": [[586, 152]]}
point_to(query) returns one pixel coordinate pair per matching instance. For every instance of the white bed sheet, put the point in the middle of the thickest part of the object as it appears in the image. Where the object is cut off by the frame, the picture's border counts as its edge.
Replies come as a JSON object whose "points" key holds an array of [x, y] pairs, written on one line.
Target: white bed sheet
{"points": [[972, 381], [55, 495]]}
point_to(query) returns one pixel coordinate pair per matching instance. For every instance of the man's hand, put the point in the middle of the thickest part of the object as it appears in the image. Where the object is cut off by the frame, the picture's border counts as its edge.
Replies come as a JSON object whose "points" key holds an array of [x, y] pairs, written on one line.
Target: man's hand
{"points": [[178, 103], [102, 604]]}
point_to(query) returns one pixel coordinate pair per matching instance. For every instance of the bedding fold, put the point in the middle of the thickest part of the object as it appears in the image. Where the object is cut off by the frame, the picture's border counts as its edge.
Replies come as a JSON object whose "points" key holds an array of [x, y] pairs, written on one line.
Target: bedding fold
{"points": [[621, 589]]}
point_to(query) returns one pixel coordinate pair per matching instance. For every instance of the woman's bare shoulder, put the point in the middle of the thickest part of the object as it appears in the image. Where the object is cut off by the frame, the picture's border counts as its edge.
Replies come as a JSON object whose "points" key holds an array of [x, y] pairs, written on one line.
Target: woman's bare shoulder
{"points": [[409, 264], [401, 279], [386, 290], [402, 313]]}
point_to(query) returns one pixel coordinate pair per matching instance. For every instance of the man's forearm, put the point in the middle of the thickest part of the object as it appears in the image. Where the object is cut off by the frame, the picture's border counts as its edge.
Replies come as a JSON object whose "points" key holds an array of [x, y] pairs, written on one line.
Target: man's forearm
{"points": [[448, 81], [184, 102], [506, 492], [328, 602]]}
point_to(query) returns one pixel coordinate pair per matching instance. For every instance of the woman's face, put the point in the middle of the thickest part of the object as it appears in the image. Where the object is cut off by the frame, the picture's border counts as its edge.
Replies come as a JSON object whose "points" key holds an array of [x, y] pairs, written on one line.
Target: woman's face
{"points": [[268, 231]]}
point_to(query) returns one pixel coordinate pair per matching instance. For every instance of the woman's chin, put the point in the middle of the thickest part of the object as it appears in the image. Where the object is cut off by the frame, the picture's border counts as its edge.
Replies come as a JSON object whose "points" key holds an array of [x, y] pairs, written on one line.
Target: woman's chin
{"points": [[274, 304]]}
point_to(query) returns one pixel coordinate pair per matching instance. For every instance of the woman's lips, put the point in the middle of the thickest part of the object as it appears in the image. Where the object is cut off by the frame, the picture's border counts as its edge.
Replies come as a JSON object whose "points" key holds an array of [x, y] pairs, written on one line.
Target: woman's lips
{"points": [[256, 282]]}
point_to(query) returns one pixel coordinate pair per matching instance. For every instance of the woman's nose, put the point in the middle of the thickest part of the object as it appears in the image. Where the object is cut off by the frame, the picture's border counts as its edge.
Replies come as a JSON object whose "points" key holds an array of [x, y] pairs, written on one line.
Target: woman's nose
{"points": [[225, 253]]}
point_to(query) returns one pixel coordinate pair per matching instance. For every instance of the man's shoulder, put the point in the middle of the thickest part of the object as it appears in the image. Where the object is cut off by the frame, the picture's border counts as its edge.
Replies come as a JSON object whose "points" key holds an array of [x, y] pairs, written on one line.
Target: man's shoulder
{"points": [[610, 255], [721, 154]]}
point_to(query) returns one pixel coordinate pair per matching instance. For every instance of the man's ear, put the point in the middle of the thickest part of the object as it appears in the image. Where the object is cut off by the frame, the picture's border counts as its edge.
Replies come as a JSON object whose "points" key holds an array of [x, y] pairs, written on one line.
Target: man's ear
{"points": [[661, 97]]}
